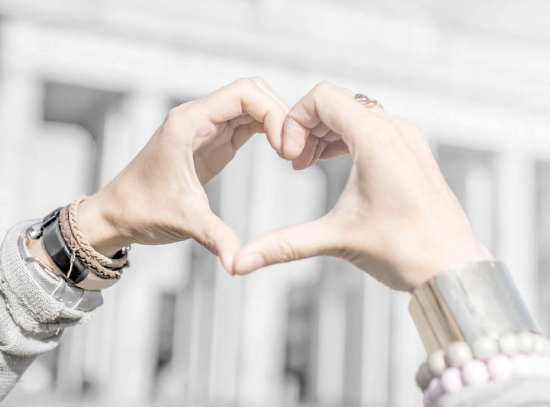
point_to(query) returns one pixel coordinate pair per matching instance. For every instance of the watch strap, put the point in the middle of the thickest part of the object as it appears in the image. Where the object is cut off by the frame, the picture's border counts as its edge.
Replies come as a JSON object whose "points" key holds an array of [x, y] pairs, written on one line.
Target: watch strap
{"points": [[71, 266]]}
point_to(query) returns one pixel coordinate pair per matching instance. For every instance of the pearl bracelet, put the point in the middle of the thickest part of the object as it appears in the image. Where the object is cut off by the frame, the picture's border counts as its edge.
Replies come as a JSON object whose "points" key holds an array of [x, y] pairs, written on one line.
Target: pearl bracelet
{"points": [[520, 354]]}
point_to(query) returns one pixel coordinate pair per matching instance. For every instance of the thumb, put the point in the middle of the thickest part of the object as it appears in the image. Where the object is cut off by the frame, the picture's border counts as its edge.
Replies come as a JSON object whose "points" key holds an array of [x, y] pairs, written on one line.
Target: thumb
{"points": [[288, 244], [214, 234]]}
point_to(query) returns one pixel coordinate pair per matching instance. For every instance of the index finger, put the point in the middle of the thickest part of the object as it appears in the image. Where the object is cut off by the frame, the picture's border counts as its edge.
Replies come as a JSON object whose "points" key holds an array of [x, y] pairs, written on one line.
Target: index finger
{"points": [[245, 96]]}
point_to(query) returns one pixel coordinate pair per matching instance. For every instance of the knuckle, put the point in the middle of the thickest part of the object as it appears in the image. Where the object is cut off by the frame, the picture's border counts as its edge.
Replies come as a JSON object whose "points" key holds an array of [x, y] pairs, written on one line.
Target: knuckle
{"points": [[245, 83], [351, 255], [176, 121], [258, 80], [387, 131], [410, 128], [181, 108], [175, 114], [411, 131], [170, 124], [410, 136], [285, 251], [415, 133], [323, 87], [208, 240]]}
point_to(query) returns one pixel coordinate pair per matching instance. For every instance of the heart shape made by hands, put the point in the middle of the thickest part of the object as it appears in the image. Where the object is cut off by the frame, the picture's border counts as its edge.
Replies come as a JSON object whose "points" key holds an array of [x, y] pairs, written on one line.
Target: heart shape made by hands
{"points": [[396, 218]]}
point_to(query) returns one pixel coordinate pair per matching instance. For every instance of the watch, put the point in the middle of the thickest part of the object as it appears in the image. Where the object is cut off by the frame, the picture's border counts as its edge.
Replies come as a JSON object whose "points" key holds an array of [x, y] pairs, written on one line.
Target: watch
{"points": [[70, 266]]}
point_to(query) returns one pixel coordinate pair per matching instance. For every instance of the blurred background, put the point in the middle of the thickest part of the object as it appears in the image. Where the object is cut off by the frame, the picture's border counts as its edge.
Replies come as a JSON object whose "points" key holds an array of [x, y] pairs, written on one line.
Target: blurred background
{"points": [[85, 83]]}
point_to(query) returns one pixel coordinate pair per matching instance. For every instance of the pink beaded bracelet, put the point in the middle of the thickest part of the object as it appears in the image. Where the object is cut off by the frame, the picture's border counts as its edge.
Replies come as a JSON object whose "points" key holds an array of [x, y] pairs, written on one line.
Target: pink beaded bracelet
{"points": [[523, 354]]}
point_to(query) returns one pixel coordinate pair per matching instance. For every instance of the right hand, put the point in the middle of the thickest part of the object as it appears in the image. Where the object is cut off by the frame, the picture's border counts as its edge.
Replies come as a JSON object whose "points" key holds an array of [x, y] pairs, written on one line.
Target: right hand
{"points": [[397, 218]]}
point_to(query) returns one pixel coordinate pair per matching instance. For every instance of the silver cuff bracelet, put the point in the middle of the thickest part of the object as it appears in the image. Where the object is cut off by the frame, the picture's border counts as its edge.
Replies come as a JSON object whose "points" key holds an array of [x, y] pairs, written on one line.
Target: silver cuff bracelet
{"points": [[466, 302]]}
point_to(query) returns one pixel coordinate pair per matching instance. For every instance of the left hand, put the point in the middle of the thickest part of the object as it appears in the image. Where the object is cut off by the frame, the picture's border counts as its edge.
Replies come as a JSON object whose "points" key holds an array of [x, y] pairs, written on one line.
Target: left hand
{"points": [[159, 197]]}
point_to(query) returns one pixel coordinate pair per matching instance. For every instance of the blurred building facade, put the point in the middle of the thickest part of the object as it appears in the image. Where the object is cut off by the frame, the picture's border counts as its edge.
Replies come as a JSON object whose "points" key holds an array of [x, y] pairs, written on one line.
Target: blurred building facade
{"points": [[84, 84]]}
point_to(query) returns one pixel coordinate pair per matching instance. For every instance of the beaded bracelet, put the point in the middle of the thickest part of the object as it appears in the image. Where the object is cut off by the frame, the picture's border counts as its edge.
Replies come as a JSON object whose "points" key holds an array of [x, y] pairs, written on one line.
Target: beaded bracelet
{"points": [[512, 355]]}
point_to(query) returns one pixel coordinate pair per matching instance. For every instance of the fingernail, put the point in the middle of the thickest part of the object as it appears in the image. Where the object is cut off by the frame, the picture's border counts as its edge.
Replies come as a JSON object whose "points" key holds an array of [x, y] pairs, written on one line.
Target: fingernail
{"points": [[250, 263]]}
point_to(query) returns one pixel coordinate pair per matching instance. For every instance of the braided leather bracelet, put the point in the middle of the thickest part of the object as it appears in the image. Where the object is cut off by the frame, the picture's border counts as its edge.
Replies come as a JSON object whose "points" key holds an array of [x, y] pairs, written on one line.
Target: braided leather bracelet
{"points": [[112, 263], [90, 262], [95, 261]]}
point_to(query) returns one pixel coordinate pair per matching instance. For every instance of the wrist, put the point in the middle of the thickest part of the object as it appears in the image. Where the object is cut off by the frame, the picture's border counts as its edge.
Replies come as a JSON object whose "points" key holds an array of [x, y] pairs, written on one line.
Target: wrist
{"points": [[449, 252], [100, 224]]}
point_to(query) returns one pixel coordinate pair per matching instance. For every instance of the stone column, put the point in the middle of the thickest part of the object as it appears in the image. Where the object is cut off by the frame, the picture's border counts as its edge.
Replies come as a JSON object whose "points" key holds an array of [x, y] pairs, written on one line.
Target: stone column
{"points": [[331, 341], [228, 302], [516, 221], [278, 197], [154, 269], [354, 298], [20, 115], [376, 342], [406, 354], [479, 202]]}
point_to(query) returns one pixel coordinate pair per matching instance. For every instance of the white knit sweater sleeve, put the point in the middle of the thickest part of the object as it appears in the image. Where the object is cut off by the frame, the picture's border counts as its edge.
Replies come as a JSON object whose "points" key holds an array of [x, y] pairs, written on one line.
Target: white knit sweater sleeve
{"points": [[31, 321], [524, 392]]}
